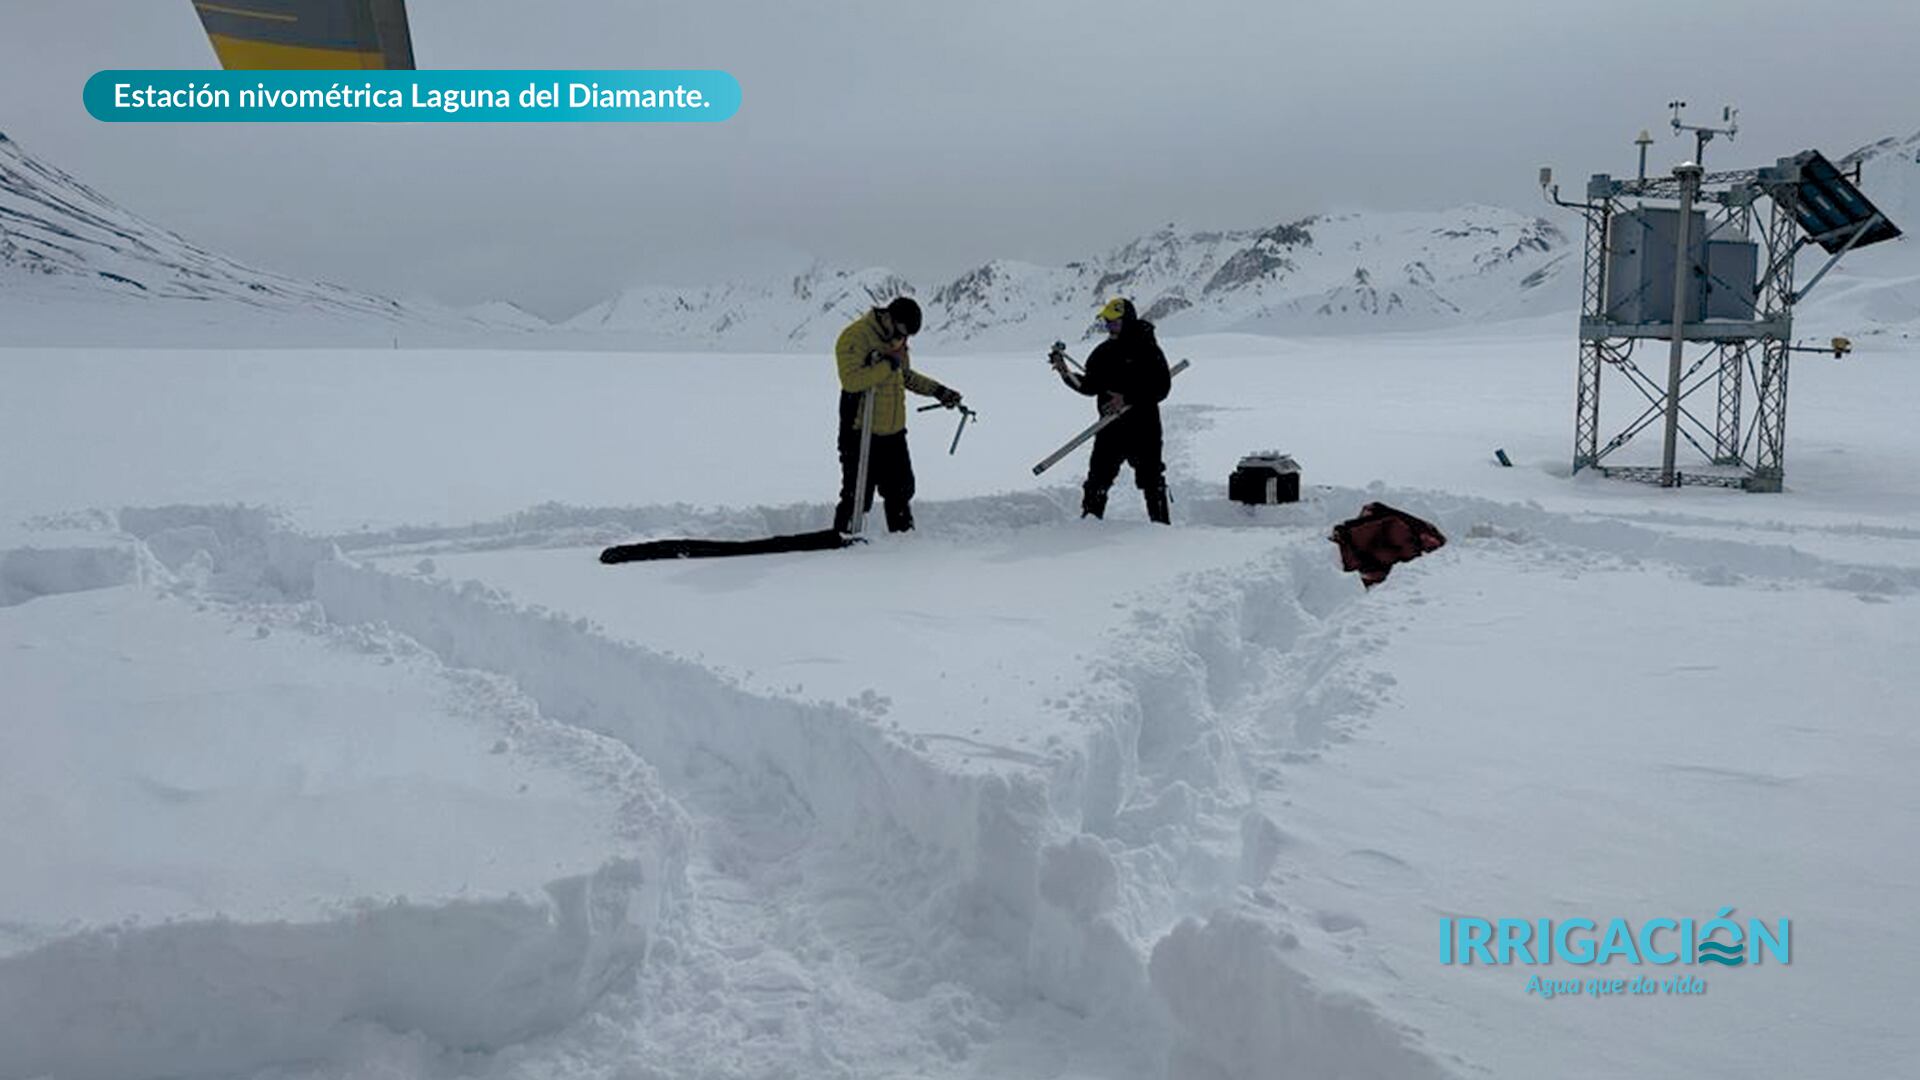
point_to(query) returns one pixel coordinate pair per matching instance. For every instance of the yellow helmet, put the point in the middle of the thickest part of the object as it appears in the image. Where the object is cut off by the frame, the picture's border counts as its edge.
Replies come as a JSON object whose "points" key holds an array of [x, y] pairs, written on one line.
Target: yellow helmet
{"points": [[1116, 310]]}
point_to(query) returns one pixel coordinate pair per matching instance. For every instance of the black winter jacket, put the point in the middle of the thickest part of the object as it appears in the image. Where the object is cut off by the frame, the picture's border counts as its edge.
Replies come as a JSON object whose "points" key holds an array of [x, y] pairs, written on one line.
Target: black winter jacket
{"points": [[1130, 364]]}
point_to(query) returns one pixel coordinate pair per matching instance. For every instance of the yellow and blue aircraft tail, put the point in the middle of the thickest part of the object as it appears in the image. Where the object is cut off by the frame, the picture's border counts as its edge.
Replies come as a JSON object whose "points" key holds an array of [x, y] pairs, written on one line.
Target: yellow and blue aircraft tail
{"points": [[252, 35]]}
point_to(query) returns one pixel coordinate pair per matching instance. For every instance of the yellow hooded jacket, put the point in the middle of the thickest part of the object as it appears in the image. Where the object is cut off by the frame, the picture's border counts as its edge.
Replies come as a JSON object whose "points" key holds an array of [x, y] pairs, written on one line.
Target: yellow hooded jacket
{"points": [[861, 354]]}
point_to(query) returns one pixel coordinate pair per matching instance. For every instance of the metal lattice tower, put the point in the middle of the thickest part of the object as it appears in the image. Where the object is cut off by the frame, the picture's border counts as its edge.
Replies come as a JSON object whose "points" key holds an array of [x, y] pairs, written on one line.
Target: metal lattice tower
{"points": [[1586, 423], [1729, 323], [1776, 302]]}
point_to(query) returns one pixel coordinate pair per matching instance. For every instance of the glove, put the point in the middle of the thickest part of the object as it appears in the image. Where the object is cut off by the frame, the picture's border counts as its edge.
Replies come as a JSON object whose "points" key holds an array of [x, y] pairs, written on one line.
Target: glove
{"points": [[947, 396]]}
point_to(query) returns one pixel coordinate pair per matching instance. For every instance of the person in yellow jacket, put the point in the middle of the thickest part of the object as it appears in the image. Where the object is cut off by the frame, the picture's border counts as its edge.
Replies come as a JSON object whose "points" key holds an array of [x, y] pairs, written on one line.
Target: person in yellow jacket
{"points": [[872, 355]]}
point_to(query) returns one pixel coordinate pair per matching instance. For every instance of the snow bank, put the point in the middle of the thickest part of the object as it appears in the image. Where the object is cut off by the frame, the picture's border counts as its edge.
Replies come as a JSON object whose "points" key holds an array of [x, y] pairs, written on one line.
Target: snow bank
{"points": [[1128, 880], [1245, 1013], [1075, 878], [26, 573], [563, 525], [249, 549], [860, 782], [203, 997], [1061, 874], [197, 893]]}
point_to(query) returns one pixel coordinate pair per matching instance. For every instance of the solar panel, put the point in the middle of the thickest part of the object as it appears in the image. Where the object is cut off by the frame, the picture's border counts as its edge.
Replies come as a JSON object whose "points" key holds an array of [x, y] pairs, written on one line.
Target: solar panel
{"points": [[1834, 213]]}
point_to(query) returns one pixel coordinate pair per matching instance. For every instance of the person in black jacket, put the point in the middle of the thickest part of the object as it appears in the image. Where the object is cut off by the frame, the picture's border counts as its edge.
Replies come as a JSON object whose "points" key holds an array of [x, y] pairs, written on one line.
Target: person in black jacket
{"points": [[1128, 371]]}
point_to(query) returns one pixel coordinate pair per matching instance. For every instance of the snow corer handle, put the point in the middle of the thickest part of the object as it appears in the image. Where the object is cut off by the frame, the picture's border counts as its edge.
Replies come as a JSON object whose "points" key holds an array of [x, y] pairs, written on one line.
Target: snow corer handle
{"points": [[966, 414], [1095, 428]]}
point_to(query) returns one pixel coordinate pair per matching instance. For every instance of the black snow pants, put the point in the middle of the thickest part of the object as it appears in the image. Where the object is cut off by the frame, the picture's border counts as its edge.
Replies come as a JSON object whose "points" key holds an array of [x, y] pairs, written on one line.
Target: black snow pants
{"points": [[889, 470], [1135, 440]]}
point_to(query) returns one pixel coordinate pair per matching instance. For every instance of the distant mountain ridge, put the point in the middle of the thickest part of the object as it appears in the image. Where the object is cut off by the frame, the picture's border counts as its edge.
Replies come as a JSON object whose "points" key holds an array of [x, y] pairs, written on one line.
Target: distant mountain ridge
{"points": [[1320, 274], [76, 267], [1328, 272]]}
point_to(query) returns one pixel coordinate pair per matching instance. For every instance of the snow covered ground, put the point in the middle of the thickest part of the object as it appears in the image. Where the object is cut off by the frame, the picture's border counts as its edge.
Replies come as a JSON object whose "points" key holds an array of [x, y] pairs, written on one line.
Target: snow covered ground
{"points": [[230, 841], [1018, 796]]}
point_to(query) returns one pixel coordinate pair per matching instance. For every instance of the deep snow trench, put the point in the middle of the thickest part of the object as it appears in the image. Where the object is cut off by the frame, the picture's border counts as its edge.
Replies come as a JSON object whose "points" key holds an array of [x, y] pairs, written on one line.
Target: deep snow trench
{"points": [[1110, 883], [847, 904]]}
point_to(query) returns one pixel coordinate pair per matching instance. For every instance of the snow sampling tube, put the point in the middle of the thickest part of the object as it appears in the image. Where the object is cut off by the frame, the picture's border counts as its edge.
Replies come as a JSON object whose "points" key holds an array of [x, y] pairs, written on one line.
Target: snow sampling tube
{"points": [[824, 540]]}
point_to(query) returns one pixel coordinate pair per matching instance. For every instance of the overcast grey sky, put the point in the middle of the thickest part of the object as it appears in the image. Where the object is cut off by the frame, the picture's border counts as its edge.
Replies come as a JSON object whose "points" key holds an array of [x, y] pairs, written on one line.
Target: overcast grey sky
{"points": [[933, 136]]}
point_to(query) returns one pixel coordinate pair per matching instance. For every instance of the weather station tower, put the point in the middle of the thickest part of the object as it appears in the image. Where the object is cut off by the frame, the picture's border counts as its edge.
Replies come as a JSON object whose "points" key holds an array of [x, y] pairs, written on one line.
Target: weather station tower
{"points": [[1704, 261]]}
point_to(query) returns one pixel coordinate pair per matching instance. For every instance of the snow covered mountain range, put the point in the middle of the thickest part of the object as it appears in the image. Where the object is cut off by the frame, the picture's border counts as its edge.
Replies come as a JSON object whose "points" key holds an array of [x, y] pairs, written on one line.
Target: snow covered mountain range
{"points": [[1320, 273], [72, 258], [1332, 273], [61, 240]]}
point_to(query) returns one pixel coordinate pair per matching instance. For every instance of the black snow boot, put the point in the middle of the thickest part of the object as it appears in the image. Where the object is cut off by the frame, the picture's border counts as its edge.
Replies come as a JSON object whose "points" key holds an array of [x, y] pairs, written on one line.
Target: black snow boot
{"points": [[1157, 510], [1093, 503]]}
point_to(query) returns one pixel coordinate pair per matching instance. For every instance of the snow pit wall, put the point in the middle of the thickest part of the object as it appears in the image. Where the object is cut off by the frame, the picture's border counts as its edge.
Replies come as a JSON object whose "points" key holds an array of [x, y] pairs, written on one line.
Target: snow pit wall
{"points": [[860, 783], [28, 573], [1021, 884], [1244, 1013], [1029, 883], [1022, 878], [216, 997]]}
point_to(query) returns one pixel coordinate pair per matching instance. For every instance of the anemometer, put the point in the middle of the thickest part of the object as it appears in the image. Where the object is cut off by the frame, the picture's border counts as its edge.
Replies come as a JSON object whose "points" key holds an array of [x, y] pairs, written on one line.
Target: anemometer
{"points": [[1702, 133]]}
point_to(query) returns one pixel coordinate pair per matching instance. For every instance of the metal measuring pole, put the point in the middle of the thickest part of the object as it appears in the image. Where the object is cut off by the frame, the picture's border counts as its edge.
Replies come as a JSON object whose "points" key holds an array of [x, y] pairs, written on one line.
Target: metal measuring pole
{"points": [[859, 522], [1689, 175], [1095, 428]]}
